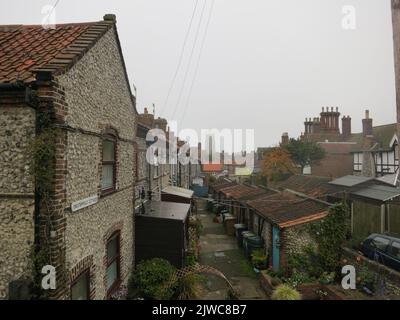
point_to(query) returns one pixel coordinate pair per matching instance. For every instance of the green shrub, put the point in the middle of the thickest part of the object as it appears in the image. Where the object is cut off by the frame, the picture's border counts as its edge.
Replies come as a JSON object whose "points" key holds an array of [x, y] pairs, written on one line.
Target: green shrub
{"points": [[285, 292], [355, 243], [149, 280], [190, 260], [327, 277], [308, 262], [189, 287], [298, 278]]}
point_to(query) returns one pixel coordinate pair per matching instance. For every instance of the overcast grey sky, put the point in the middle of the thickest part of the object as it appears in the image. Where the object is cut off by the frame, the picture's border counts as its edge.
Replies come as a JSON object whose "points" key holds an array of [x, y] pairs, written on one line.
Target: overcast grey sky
{"points": [[266, 64]]}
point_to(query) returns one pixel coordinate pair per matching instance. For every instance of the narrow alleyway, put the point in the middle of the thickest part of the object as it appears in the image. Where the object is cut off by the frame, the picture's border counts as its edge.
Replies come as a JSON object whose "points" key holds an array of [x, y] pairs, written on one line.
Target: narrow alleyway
{"points": [[220, 251]]}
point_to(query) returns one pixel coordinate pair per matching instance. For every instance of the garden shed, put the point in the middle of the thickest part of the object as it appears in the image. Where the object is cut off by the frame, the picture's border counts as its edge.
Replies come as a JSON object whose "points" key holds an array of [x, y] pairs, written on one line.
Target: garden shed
{"points": [[375, 209], [161, 231], [176, 194]]}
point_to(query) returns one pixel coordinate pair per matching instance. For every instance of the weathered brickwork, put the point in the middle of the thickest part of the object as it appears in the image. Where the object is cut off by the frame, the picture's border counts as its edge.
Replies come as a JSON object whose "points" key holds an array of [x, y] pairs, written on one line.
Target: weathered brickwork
{"points": [[17, 129]]}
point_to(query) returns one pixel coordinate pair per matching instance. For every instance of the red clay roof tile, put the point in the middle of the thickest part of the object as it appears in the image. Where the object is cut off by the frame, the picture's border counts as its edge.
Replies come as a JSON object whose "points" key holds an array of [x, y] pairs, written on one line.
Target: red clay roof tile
{"points": [[25, 49]]}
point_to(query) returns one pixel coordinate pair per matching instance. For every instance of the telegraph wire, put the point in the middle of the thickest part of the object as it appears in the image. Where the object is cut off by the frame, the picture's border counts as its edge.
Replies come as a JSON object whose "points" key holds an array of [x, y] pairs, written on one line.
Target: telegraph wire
{"points": [[180, 57], [198, 61], [52, 10], [190, 59]]}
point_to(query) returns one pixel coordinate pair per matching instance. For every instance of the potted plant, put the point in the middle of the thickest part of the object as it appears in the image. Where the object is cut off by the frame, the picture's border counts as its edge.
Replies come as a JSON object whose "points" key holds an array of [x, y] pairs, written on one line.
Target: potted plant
{"points": [[259, 259]]}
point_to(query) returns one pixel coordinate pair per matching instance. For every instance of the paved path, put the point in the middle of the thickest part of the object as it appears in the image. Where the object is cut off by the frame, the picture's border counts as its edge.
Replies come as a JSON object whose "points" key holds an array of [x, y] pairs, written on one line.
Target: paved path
{"points": [[221, 252]]}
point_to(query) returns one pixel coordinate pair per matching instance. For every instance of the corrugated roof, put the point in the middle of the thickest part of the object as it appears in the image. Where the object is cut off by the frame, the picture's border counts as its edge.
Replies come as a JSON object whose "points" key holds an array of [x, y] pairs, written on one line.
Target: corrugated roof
{"points": [[350, 181], [380, 193], [181, 192], [286, 209]]}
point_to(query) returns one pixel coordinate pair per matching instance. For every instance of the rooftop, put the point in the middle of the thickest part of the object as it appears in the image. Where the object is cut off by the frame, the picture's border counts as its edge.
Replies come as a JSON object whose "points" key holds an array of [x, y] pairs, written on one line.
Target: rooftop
{"points": [[27, 49], [312, 186], [165, 210], [241, 191], [181, 192], [350, 181], [380, 193], [286, 209]]}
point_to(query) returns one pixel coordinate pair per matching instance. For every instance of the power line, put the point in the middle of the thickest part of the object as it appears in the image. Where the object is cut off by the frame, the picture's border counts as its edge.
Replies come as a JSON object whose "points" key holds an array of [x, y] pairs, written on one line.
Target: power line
{"points": [[52, 10], [190, 59], [198, 61], [181, 56]]}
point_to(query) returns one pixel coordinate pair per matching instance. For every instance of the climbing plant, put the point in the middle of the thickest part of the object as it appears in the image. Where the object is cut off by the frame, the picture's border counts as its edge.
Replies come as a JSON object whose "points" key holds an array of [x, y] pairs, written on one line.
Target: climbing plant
{"points": [[329, 234], [41, 153]]}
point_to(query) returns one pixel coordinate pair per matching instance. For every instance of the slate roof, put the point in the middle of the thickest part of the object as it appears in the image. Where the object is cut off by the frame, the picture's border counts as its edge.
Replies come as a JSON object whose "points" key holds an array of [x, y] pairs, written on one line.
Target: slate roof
{"points": [[286, 209], [351, 181], [26, 49], [382, 135], [380, 193]]}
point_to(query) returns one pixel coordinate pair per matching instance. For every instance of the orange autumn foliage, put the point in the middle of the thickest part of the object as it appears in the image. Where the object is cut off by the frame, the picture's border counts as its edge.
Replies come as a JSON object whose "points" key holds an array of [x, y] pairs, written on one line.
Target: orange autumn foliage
{"points": [[278, 161]]}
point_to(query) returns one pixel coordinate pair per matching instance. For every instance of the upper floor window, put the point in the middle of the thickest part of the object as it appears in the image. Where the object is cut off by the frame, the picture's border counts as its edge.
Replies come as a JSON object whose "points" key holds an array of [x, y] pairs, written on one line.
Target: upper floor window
{"points": [[358, 162], [108, 178]]}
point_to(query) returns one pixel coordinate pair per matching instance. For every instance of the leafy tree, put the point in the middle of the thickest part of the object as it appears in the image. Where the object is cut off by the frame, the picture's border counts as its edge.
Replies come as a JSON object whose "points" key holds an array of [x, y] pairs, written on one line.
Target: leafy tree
{"points": [[277, 162], [304, 153]]}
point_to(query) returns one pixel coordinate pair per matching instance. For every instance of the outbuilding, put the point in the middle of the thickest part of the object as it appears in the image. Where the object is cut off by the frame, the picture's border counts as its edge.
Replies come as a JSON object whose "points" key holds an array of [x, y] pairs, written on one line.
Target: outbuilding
{"points": [[162, 232]]}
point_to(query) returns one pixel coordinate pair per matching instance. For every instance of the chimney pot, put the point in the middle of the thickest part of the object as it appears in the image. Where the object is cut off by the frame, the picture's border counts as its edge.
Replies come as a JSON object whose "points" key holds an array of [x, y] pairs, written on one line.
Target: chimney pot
{"points": [[110, 17]]}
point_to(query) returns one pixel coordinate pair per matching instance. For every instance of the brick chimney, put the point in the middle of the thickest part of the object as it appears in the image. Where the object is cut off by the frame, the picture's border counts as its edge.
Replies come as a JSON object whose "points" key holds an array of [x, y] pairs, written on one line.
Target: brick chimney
{"points": [[367, 125], [285, 139], [346, 126], [330, 120]]}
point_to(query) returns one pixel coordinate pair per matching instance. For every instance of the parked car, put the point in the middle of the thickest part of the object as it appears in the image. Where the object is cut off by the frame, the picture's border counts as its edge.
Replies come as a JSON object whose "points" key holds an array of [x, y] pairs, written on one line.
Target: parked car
{"points": [[384, 249]]}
